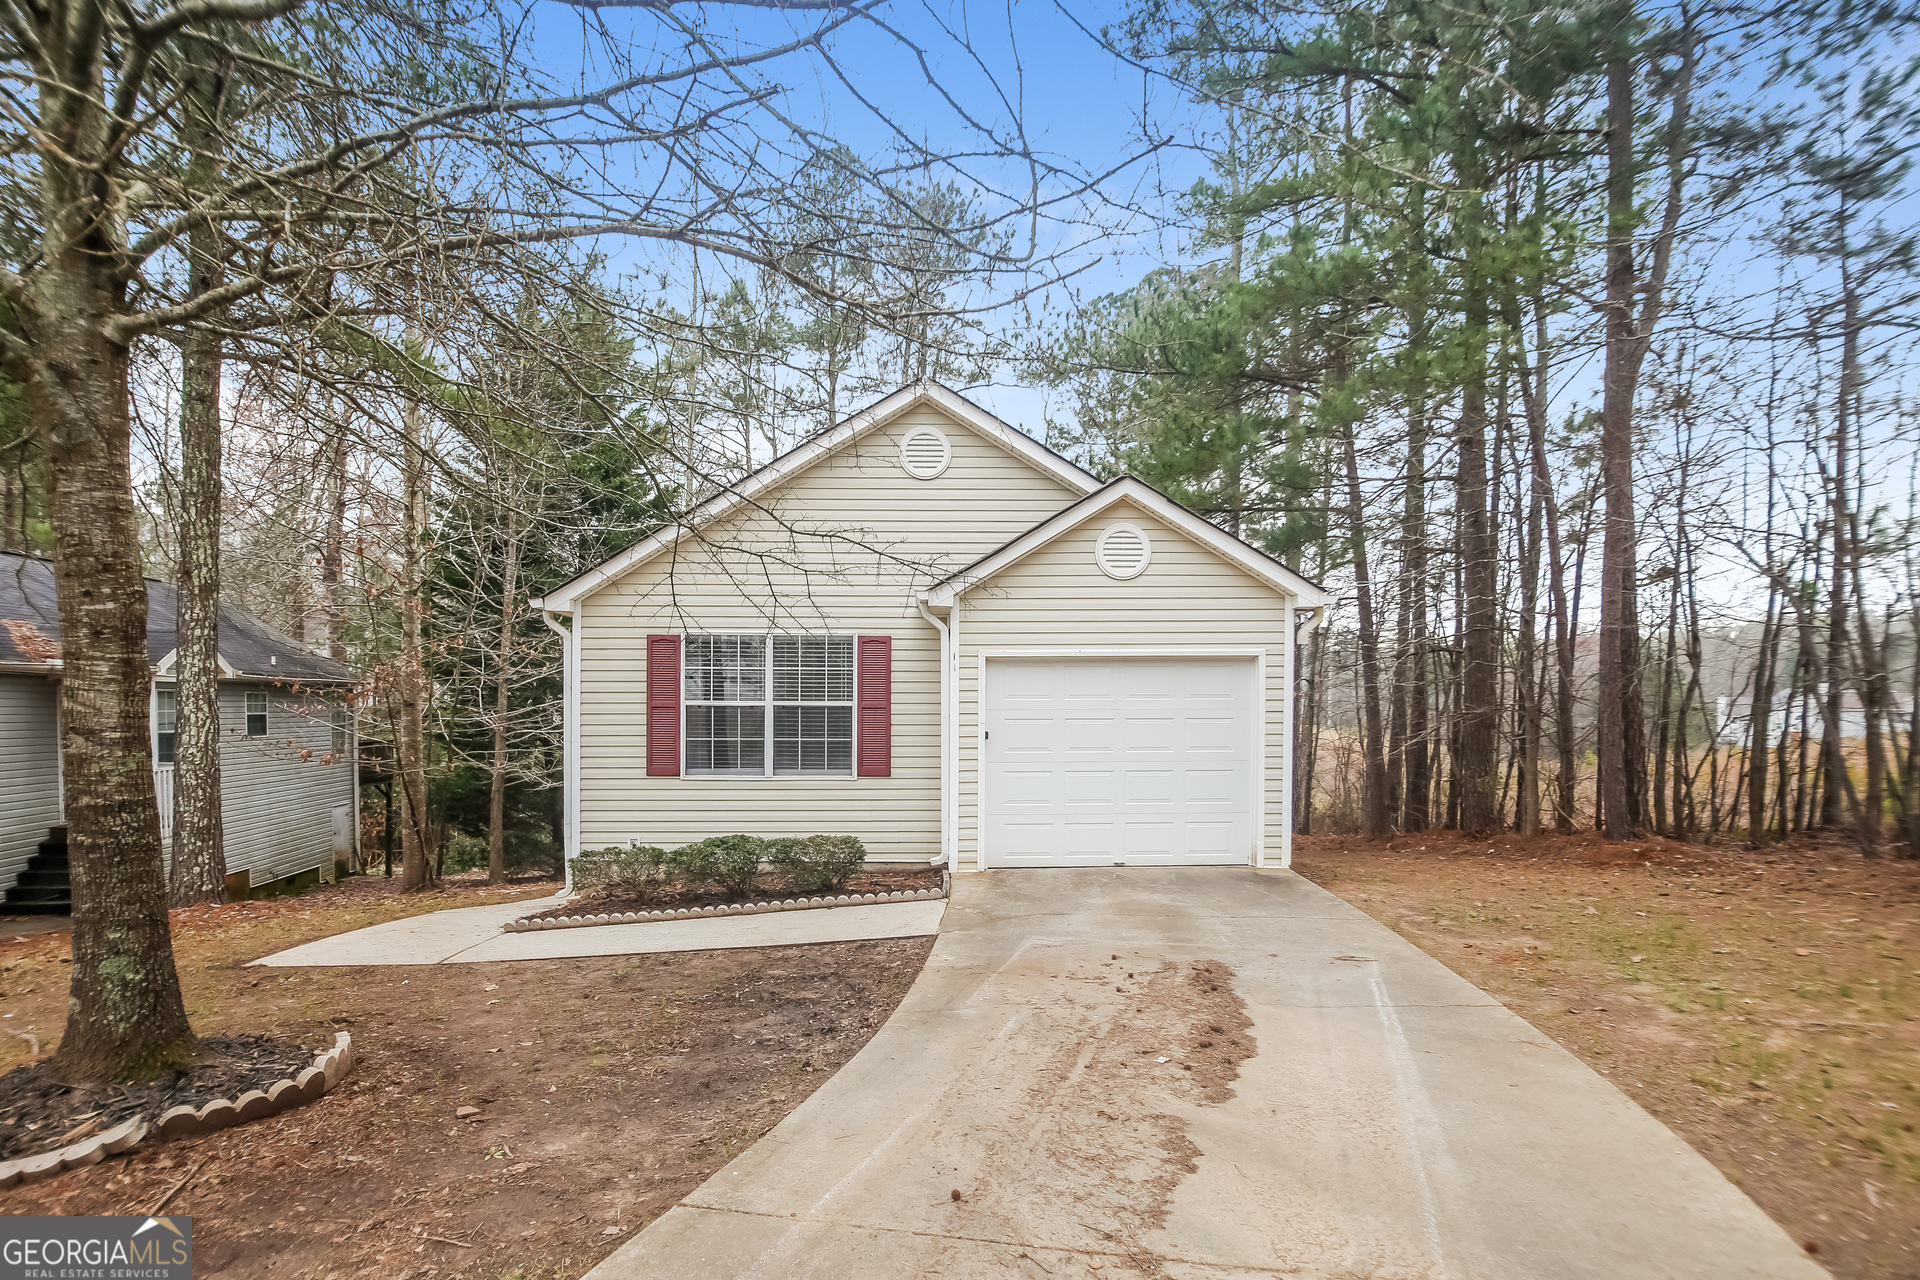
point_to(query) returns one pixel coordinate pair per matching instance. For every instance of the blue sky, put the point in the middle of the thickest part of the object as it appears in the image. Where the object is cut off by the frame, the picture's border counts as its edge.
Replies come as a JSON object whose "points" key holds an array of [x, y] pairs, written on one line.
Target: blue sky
{"points": [[1078, 105]]}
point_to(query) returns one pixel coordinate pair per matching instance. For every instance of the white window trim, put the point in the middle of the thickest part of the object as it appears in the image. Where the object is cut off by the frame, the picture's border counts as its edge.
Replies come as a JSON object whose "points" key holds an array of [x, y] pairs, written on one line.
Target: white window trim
{"points": [[767, 704], [153, 719], [246, 713]]}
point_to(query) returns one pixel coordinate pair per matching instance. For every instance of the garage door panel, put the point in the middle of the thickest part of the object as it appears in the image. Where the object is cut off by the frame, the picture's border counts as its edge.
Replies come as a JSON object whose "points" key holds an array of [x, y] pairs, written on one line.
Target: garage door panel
{"points": [[1180, 735]]}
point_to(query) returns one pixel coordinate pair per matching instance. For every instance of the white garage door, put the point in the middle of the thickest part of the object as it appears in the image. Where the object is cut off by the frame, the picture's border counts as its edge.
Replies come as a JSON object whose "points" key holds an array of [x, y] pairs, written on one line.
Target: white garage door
{"points": [[1145, 762]]}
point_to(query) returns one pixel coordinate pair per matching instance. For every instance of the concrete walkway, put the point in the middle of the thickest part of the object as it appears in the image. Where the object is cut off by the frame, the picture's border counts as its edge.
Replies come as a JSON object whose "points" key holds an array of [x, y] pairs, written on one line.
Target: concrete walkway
{"points": [[1020, 1116], [470, 935]]}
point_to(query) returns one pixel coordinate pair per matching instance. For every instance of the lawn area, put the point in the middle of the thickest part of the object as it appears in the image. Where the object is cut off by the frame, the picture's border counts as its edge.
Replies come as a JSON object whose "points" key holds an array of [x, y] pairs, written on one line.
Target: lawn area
{"points": [[604, 1090], [1766, 1006]]}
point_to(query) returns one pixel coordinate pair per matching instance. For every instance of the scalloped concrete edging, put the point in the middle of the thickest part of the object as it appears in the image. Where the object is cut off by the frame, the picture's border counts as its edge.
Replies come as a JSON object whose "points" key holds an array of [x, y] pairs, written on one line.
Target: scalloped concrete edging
{"points": [[328, 1070], [531, 924]]}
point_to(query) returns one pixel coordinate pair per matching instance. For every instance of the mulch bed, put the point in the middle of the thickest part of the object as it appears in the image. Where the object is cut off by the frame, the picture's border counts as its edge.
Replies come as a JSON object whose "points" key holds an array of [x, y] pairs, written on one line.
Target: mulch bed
{"points": [[772, 886], [41, 1112], [606, 1089]]}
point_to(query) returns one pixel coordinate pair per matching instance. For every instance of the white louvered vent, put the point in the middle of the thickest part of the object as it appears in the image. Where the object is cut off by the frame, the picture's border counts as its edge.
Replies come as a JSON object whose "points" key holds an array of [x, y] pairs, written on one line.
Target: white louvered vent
{"points": [[1123, 551], [925, 453]]}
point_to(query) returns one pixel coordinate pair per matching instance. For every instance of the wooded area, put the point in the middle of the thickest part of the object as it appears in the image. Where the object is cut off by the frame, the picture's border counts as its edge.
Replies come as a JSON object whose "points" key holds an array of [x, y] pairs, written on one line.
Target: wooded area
{"points": [[1570, 346]]}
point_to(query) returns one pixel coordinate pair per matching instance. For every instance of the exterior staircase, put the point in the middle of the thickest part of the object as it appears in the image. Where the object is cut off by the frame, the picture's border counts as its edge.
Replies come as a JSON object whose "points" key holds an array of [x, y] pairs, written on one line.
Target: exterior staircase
{"points": [[43, 888]]}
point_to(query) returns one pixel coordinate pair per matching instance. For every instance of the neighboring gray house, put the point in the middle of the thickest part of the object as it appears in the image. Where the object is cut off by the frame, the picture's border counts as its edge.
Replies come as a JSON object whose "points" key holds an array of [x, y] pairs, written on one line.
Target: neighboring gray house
{"points": [[1804, 713], [290, 795], [926, 629]]}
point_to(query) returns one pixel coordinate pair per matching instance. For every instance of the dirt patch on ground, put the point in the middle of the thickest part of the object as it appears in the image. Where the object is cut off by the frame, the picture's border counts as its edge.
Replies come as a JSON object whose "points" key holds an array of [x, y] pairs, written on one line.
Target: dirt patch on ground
{"points": [[215, 938], [39, 1111], [1764, 1005], [771, 886], [1102, 1118], [605, 1090]]}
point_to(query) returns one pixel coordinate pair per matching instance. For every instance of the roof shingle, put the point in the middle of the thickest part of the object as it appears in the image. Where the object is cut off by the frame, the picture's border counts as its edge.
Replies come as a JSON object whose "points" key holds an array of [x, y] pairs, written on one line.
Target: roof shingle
{"points": [[30, 629]]}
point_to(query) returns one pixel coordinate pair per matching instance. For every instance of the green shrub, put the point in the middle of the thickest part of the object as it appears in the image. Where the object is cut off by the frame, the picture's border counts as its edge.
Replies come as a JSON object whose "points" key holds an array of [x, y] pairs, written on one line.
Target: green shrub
{"points": [[819, 862], [639, 871], [463, 852], [729, 861]]}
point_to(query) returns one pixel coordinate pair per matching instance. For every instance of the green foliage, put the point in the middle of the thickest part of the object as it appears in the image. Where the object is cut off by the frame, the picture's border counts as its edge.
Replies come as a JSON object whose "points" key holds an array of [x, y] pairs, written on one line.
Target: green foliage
{"points": [[818, 862], [640, 871], [729, 861], [462, 796], [25, 523]]}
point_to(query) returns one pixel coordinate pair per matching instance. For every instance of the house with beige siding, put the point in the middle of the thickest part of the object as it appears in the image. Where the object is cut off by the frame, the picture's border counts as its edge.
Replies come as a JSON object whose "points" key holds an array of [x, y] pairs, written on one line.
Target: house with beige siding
{"points": [[289, 793], [925, 629]]}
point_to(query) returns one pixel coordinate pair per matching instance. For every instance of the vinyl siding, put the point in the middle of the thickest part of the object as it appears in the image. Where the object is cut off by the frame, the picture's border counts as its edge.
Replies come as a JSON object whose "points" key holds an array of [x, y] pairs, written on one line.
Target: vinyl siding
{"points": [[29, 770], [278, 793], [841, 548], [1058, 598]]}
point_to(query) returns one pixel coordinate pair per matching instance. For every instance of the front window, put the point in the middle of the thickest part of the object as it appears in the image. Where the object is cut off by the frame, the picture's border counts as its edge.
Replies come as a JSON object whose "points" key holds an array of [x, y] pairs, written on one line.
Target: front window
{"points": [[339, 728], [166, 711], [812, 704], [256, 713], [742, 691]]}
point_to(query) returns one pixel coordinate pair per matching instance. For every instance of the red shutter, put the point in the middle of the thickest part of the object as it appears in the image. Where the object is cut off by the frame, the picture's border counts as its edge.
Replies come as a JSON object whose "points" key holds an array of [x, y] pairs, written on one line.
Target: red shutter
{"points": [[663, 706], [873, 693]]}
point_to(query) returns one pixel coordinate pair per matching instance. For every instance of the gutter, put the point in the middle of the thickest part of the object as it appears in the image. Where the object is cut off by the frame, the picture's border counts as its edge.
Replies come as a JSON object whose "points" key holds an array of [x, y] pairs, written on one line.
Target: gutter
{"points": [[569, 734], [1299, 631], [949, 731]]}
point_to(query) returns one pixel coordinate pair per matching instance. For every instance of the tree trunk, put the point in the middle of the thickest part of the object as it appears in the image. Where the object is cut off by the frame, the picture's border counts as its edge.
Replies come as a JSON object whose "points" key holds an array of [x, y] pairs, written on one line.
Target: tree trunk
{"points": [[1475, 765], [333, 545], [497, 799], [1375, 820], [1417, 797], [125, 1018], [1665, 722], [199, 872], [1622, 733], [1759, 714], [416, 871]]}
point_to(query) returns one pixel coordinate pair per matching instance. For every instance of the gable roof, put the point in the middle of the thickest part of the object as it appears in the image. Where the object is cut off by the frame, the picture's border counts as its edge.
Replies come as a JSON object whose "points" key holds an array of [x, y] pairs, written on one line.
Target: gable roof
{"points": [[249, 648], [744, 492], [1128, 489]]}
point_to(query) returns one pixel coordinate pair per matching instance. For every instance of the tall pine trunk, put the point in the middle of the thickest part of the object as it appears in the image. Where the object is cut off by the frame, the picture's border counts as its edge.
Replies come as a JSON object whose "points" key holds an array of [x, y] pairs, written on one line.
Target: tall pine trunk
{"points": [[1417, 796], [333, 544], [503, 686], [1622, 731], [199, 871], [416, 869], [125, 1018], [1475, 765], [124, 1013]]}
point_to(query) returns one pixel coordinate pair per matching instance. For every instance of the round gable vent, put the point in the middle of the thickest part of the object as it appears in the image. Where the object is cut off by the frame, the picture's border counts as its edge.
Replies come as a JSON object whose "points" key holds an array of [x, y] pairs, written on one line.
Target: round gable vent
{"points": [[925, 453], [1123, 551]]}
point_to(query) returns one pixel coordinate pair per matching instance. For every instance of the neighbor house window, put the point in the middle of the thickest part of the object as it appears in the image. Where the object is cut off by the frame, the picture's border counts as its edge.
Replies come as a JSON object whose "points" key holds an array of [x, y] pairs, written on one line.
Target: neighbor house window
{"points": [[743, 691], [166, 710], [256, 713], [339, 728]]}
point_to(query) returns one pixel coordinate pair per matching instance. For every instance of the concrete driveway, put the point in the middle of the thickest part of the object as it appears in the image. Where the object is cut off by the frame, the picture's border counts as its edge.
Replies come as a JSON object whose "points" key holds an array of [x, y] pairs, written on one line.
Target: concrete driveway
{"points": [[1265, 1082]]}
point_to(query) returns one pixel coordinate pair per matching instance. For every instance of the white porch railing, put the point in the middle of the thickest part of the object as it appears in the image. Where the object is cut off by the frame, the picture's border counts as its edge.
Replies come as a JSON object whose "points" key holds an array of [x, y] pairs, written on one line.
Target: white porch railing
{"points": [[163, 792]]}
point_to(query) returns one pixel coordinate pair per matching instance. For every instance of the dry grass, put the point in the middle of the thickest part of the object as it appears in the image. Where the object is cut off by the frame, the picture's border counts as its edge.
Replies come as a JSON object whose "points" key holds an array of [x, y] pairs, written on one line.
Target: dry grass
{"points": [[1764, 1006]]}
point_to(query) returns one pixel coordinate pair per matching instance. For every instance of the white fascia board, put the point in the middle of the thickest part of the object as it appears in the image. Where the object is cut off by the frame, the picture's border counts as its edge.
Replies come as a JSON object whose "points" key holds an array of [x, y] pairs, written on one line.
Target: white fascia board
{"points": [[1276, 575], [795, 460]]}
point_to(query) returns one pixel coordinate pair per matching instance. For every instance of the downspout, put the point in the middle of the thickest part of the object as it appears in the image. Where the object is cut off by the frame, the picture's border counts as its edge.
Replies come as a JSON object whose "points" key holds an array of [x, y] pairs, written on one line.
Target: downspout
{"points": [[949, 833], [1298, 630], [569, 747], [353, 764]]}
